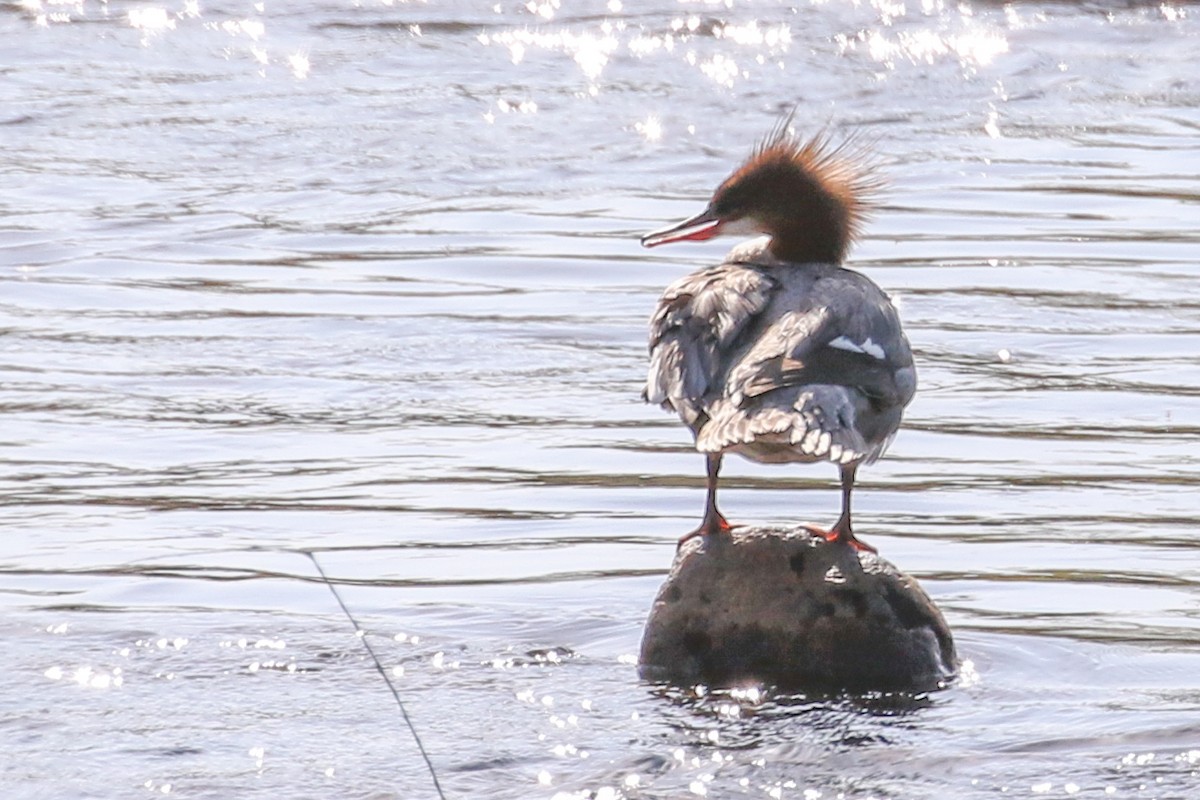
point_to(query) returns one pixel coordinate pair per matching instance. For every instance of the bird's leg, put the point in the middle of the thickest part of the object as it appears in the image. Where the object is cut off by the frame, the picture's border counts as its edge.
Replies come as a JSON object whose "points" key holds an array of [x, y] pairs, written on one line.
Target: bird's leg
{"points": [[714, 523], [841, 530]]}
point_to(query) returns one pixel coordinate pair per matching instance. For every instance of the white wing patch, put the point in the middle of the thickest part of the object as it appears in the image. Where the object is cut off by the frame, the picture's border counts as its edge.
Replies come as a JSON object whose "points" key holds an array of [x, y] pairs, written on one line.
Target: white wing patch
{"points": [[868, 347]]}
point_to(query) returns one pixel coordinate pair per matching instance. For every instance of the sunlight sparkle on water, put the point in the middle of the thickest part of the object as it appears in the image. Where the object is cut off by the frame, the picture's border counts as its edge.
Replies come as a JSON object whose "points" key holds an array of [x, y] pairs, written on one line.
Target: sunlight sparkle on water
{"points": [[748, 694], [650, 129], [643, 45], [43, 17], [439, 662], [545, 9], [973, 49], [1172, 13], [151, 20], [776, 37], [299, 64], [1189, 756], [249, 27], [721, 69], [967, 674], [590, 51], [88, 677], [992, 126]]}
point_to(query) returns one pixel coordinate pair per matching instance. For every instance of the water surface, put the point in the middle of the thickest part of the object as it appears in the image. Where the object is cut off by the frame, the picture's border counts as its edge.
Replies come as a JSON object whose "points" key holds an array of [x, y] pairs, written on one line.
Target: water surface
{"points": [[362, 279]]}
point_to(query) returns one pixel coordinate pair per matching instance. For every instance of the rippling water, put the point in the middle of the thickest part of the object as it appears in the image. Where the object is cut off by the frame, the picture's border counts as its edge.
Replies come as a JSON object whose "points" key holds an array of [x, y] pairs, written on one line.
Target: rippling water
{"points": [[362, 278]]}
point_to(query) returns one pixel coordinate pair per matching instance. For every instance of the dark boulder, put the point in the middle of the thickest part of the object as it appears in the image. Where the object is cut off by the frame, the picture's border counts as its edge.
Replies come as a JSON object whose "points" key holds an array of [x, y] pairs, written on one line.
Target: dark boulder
{"points": [[788, 608]]}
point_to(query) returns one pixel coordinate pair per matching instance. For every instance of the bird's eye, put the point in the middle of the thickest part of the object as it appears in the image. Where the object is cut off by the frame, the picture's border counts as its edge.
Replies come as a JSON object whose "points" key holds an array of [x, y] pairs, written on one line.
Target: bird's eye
{"points": [[725, 208]]}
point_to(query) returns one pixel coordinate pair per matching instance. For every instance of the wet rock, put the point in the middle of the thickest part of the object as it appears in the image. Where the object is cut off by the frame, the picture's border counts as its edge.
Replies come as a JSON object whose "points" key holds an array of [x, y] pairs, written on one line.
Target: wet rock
{"points": [[786, 607]]}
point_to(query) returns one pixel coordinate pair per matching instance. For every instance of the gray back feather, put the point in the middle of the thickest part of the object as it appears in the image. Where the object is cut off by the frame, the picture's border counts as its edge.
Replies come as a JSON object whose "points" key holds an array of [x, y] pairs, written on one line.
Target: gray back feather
{"points": [[781, 361]]}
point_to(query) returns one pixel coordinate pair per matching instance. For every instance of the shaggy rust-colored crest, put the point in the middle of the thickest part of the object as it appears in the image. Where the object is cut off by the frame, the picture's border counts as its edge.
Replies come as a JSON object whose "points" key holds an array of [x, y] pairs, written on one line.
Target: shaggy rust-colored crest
{"points": [[811, 196]]}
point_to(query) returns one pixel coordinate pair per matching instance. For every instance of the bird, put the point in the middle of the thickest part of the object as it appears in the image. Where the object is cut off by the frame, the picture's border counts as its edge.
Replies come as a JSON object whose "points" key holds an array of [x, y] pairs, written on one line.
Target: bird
{"points": [[782, 354]]}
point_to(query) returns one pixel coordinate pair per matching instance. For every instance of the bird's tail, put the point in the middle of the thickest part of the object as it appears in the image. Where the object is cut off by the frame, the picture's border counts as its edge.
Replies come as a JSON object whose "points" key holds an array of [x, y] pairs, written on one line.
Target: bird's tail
{"points": [[816, 422]]}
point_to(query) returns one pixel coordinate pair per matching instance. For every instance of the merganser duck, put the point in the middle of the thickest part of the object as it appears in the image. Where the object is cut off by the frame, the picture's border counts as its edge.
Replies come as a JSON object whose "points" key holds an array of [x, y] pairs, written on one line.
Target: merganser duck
{"points": [[780, 354]]}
